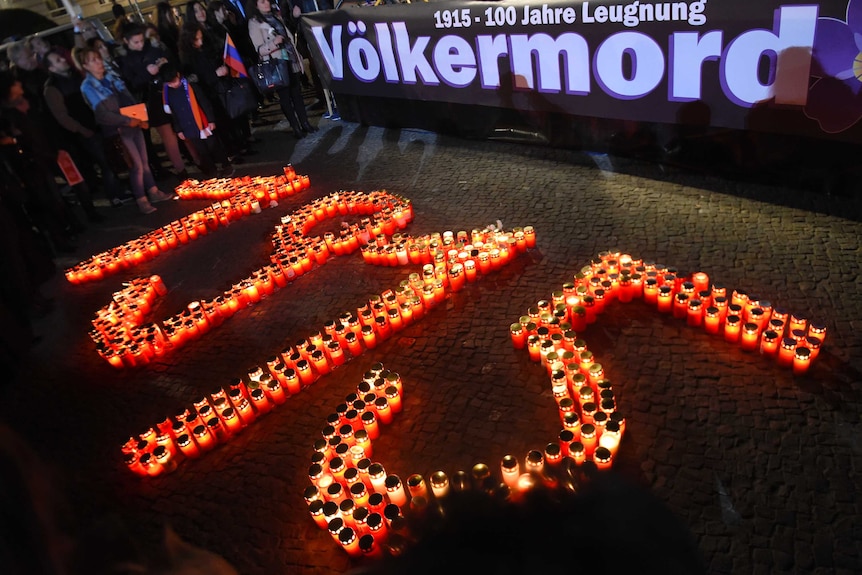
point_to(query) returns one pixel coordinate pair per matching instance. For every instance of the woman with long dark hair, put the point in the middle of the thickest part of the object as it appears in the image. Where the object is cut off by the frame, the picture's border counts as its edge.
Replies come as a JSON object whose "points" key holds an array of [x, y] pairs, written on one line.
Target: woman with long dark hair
{"points": [[213, 77], [196, 11], [272, 39], [168, 27]]}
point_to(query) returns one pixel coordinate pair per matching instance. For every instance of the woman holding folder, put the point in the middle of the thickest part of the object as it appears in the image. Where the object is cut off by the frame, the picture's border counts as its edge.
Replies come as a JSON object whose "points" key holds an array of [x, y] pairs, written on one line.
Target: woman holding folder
{"points": [[115, 109]]}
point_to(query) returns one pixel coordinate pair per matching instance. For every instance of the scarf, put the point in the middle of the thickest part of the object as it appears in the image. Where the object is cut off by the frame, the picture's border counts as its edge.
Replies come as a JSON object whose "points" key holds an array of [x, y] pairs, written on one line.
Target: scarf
{"points": [[97, 91], [288, 49], [197, 112]]}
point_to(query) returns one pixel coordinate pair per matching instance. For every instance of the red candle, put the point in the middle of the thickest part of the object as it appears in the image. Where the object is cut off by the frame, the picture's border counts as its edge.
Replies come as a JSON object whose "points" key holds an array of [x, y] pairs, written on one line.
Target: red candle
{"points": [[519, 336], [272, 388], [384, 412], [353, 344], [801, 360], [369, 422], [232, 421], [769, 342], [530, 236], [306, 375], [578, 452], [315, 508], [393, 397], [665, 299], [244, 409], [457, 277], [712, 320], [650, 291], [700, 281], [732, 328], [603, 458], [694, 316], [750, 336], [787, 351], [204, 438], [680, 305], [818, 330], [368, 337], [260, 401], [813, 343], [588, 439], [470, 270]]}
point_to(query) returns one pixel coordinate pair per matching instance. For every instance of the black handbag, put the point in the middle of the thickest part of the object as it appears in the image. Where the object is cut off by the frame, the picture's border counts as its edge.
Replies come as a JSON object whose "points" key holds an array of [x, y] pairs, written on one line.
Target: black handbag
{"points": [[238, 98], [271, 75]]}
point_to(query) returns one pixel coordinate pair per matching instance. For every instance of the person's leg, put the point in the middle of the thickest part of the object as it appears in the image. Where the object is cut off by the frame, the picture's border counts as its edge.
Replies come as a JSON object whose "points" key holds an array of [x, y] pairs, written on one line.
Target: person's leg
{"points": [[136, 147], [83, 191], [285, 100], [95, 149], [216, 151], [206, 163], [85, 198], [242, 127], [172, 146], [152, 155], [299, 102]]}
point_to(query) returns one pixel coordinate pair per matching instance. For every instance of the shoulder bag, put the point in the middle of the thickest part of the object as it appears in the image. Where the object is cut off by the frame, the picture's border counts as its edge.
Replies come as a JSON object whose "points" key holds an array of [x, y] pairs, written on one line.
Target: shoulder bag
{"points": [[238, 97], [270, 75]]}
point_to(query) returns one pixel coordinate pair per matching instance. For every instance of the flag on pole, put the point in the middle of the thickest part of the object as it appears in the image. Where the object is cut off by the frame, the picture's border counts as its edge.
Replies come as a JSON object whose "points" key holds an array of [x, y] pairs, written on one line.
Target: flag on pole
{"points": [[233, 60]]}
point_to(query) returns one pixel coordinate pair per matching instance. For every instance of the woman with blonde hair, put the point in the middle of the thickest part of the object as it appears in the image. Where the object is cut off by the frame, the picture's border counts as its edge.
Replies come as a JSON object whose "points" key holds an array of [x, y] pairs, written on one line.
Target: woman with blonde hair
{"points": [[106, 93]]}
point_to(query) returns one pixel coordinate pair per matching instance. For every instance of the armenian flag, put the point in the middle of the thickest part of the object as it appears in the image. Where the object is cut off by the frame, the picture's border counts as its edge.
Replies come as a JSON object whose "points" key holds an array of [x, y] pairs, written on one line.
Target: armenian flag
{"points": [[233, 60]]}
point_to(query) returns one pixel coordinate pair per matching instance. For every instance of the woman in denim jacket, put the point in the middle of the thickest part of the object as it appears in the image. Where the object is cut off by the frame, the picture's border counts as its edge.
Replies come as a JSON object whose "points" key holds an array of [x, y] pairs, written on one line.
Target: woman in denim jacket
{"points": [[106, 93]]}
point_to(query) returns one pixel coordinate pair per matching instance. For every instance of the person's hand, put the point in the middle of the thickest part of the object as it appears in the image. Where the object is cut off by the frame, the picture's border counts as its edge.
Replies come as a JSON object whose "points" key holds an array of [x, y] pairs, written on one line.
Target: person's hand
{"points": [[211, 126], [296, 11], [278, 40], [135, 123], [221, 71], [181, 136], [145, 125]]}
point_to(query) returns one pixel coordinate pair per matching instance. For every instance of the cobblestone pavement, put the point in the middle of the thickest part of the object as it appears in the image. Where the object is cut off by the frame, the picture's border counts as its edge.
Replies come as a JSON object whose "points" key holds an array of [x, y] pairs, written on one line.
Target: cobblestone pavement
{"points": [[757, 462]]}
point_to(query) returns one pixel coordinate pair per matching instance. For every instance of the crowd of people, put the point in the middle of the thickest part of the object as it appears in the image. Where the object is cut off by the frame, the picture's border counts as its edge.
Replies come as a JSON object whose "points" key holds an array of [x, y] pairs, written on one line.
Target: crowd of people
{"points": [[84, 119]]}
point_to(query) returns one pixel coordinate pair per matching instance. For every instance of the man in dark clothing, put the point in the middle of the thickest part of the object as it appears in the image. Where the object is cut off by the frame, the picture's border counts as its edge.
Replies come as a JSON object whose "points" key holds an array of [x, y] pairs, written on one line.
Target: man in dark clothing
{"points": [[75, 127]]}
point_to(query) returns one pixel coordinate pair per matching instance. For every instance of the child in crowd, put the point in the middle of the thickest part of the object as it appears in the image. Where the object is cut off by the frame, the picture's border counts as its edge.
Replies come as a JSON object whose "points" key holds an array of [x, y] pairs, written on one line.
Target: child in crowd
{"points": [[193, 117]]}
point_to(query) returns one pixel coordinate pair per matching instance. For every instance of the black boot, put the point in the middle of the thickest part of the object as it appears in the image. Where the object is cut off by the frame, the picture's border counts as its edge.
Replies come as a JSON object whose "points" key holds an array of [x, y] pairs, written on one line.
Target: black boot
{"points": [[297, 131]]}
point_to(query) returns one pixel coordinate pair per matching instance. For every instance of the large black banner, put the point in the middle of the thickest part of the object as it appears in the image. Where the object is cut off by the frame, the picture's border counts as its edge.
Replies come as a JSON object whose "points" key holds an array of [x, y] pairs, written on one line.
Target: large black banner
{"points": [[792, 67]]}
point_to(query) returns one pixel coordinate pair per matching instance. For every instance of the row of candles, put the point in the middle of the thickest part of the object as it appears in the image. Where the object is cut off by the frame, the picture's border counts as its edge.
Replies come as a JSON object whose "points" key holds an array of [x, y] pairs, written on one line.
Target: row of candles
{"points": [[351, 496], [592, 427], [236, 198], [124, 340], [738, 317], [218, 417], [364, 508]]}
